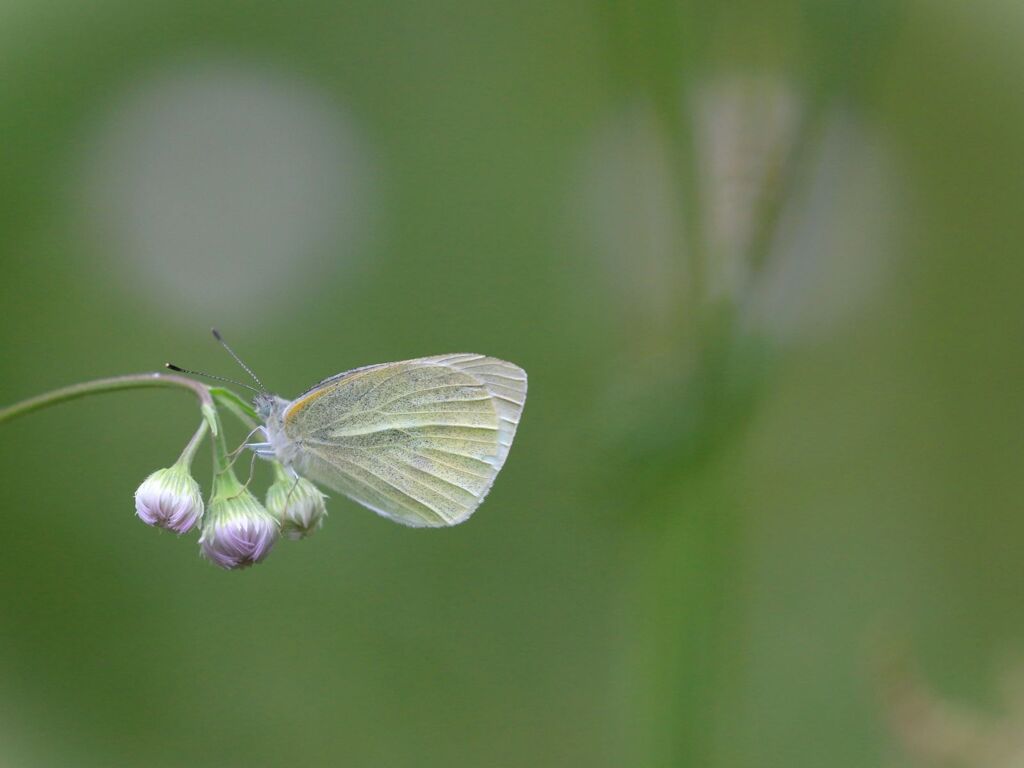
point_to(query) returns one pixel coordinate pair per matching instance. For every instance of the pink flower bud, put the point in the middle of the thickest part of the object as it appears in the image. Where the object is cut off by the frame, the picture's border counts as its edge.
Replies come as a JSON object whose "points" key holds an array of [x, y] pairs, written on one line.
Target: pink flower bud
{"points": [[170, 498], [237, 532]]}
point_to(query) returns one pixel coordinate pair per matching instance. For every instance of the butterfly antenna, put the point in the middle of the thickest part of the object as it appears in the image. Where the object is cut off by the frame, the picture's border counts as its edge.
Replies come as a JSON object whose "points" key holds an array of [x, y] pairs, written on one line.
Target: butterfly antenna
{"points": [[220, 340], [179, 369]]}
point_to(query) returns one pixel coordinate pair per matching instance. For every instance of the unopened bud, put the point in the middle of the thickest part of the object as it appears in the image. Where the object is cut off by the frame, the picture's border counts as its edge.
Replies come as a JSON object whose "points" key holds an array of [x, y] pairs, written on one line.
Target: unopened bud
{"points": [[238, 531], [298, 506], [170, 498]]}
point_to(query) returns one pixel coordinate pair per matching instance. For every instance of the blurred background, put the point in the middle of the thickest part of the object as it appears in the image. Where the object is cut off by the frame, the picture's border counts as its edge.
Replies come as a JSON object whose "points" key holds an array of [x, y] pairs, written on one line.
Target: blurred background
{"points": [[761, 262]]}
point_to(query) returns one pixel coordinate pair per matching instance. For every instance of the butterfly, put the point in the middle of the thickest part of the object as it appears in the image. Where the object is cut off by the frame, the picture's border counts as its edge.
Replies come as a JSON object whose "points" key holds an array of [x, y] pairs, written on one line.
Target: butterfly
{"points": [[419, 442]]}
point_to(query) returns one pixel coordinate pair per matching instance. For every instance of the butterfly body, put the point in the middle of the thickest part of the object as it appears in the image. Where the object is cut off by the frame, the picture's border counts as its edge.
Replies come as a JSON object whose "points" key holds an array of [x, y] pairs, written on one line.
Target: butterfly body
{"points": [[419, 441]]}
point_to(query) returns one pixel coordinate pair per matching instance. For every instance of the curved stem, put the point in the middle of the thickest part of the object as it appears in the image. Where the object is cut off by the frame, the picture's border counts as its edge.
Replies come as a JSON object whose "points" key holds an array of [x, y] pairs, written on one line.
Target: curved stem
{"points": [[113, 384]]}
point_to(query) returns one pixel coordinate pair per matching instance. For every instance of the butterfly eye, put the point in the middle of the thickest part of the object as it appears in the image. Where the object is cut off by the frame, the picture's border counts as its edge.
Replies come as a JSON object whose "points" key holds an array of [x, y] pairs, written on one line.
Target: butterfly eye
{"points": [[264, 405]]}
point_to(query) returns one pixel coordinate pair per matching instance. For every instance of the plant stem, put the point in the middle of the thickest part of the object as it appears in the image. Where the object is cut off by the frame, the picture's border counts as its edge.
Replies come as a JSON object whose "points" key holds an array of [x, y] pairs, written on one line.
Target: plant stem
{"points": [[221, 457], [225, 483], [113, 384], [190, 449]]}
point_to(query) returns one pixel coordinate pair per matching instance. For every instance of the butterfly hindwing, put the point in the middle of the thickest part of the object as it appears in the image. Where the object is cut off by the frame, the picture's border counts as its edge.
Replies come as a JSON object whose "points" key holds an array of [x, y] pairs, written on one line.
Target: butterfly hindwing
{"points": [[419, 441]]}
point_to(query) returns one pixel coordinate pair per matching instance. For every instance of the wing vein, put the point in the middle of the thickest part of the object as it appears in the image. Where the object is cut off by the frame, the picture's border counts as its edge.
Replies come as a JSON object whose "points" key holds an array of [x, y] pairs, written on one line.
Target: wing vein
{"points": [[490, 373], [415, 503], [463, 470], [444, 480], [399, 466]]}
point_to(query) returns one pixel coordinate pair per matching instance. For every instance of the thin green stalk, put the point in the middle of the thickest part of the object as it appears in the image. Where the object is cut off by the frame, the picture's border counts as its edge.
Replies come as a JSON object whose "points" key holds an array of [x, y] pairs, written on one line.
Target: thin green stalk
{"points": [[221, 456], [226, 484], [113, 384], [190, 449]]}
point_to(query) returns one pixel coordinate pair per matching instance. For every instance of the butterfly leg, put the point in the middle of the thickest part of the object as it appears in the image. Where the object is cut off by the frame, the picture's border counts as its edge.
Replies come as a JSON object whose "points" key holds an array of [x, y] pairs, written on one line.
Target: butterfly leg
{"points": [[233, 456], [252, 473], [294, 485], [263, 450]]}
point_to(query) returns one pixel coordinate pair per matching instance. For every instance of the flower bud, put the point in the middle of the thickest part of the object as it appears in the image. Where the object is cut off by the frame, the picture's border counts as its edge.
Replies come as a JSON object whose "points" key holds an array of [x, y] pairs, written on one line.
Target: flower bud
{"points": [[170, 498], [298, 506], [238, 531]]}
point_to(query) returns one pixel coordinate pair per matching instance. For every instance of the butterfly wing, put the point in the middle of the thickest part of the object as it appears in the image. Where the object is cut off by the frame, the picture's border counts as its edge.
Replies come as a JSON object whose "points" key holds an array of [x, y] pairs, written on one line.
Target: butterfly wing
{"points": [[419, 442]]}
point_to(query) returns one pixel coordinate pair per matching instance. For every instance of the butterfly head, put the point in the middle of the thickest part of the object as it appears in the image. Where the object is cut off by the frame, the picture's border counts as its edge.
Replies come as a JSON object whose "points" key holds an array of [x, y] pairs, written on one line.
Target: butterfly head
{"points": [[265, 404]]}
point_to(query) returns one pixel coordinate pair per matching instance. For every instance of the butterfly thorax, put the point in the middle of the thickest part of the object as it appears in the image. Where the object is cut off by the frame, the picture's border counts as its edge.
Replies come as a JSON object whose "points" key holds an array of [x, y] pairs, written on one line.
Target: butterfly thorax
{"points": [[271, 409]]}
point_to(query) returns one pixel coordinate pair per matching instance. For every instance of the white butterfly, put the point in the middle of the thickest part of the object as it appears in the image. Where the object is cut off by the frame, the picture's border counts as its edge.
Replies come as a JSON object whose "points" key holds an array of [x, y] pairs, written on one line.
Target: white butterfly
{"points": [[419, 442]]}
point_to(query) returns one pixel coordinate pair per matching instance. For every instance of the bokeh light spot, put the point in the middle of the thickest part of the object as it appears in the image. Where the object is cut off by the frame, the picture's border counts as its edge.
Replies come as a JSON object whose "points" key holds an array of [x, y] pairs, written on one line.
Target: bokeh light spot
{"points": [[217, 187]]}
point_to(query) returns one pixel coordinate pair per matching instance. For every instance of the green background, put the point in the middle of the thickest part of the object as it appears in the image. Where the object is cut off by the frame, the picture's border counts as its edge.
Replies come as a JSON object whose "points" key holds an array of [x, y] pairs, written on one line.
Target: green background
{"points": [[709, 535]]}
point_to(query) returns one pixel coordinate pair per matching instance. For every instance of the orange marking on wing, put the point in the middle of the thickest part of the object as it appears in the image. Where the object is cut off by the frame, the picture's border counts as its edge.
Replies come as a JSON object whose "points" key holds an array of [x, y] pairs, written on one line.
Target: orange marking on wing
{"points": [[295, 408]]}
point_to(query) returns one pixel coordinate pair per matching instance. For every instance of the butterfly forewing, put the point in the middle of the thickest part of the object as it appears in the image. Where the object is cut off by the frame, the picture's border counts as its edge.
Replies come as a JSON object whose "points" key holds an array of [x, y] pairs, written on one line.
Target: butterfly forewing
{"points": [[419, 441]]}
